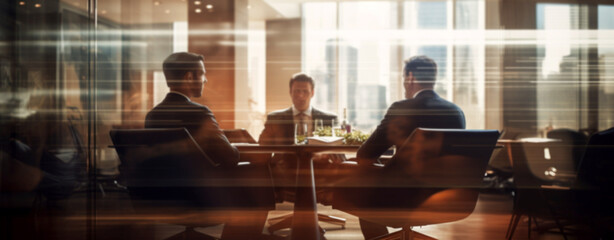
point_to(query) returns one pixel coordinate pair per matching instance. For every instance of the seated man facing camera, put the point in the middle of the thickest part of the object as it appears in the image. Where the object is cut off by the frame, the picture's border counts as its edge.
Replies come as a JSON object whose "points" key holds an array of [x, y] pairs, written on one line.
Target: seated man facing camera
{"points": [[280, 126], [185, 76]]}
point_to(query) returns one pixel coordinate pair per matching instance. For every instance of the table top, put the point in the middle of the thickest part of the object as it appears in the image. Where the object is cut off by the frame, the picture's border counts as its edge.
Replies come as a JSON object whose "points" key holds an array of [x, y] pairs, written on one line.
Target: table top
{"points": [[529, 140], [257, 148]]}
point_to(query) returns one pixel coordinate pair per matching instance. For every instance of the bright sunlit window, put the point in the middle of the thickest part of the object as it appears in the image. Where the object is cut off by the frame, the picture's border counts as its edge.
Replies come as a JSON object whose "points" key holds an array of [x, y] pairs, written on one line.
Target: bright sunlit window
{"points": [[355, 52]]}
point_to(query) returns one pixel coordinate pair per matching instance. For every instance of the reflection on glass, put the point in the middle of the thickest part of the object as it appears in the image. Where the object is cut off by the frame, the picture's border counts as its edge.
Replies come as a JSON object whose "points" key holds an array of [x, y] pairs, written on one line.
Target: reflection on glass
{"points": [[606, 69], [560, 92]]}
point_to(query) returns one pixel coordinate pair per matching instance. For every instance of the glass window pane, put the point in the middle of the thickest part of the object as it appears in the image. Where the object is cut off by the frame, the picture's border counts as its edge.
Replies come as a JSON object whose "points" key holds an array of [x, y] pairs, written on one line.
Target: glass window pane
{"points": [[561, 93], [365, 60], [606, 66], [320, 53], [432, 15], [466, 14]]}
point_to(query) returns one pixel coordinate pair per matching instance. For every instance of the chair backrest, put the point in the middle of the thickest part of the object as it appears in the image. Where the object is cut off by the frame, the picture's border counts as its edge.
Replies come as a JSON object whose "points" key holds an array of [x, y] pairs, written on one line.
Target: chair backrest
{"points": [[575, 141], [531, 161], [597, 164], [445, 158], [162, 164], [239, 136], [541, 162], [432, 178]]}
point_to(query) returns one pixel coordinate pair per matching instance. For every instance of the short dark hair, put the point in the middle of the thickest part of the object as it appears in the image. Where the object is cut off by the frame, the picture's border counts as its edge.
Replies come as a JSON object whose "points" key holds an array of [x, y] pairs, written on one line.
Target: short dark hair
{"points": [[178, 64], [423, 68], [302, 77]]}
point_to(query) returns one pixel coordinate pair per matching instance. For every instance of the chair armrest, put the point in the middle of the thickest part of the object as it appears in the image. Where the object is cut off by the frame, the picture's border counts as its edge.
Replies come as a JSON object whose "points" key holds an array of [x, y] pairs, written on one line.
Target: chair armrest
{"points": [[384, 160], [355, 163], [349, 163], [554, 187]]}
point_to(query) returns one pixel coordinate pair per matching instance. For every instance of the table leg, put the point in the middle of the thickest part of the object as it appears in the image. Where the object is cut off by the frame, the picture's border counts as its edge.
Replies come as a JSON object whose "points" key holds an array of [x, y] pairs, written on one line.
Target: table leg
{"points": [[305, 221]]}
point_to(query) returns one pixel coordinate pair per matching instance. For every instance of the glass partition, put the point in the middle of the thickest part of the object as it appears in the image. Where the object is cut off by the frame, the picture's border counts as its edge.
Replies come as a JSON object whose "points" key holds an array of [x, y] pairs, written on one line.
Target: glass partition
{"points": [[72, 71]]}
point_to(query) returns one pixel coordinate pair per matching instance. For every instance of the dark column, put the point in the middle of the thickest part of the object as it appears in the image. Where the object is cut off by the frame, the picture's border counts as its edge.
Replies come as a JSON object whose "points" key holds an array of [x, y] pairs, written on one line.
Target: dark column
{"points": [[519, 68]]}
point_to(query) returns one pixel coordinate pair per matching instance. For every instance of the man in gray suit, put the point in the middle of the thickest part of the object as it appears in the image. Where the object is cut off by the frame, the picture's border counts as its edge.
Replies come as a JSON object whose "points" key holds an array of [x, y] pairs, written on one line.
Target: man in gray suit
{"points": [[421, 108]]}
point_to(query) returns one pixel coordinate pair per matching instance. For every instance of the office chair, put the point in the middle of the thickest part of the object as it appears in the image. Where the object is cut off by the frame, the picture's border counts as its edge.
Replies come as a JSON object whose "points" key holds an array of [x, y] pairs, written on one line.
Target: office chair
{"points": [[433, 178], [593, 189], [534, 170], [574, 140], [167, 173]]}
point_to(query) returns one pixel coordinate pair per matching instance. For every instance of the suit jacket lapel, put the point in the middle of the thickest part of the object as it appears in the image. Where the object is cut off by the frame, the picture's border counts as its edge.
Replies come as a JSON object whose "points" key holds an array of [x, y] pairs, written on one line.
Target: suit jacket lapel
{"points": [[288, 121]]}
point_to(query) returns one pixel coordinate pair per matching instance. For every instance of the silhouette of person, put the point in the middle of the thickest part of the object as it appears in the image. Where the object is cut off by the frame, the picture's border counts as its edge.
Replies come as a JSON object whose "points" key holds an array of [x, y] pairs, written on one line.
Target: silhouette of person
{"points": [[421, 108], [185, 76]]}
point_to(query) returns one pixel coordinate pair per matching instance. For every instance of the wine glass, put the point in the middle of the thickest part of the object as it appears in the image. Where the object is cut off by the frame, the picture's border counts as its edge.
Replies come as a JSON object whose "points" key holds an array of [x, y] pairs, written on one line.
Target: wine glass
{"points": [[300, 133], [319, 126]]}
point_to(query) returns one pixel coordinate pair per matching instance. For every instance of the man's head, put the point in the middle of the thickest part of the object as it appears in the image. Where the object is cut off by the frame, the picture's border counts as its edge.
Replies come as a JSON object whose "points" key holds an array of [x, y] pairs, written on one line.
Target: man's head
{"points": [[420, 72], [301, 90], [185, 73]]}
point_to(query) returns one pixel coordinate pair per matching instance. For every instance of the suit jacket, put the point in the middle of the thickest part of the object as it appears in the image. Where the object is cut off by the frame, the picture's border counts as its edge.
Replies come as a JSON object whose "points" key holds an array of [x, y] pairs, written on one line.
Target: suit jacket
{"points": [[426, 110], [279, 126], [177, 111]]}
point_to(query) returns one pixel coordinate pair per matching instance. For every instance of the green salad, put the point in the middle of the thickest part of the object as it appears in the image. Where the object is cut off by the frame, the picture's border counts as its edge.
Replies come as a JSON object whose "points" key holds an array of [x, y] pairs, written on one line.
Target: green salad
{"points": [[356, 137]]}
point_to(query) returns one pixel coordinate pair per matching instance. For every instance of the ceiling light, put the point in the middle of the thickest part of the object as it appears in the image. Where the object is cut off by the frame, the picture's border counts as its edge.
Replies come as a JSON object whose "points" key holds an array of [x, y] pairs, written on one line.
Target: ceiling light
{"points": [[198, 10], [249, 6], [37, 5], [22, 3], [157, 3], [103, 12], [196, 2], [167, 11], [209, 6]]}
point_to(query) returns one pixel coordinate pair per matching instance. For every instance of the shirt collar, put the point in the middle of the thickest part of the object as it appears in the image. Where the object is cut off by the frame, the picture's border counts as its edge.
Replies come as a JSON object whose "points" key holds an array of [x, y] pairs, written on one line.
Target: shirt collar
{"points": [[306, 112], [423, 90], [181, 94]]}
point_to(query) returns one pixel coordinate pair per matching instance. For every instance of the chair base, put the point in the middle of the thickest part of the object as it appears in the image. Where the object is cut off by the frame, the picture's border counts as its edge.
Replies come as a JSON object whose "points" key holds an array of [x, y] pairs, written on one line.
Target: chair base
{"points": [[405, 234], [285, 221], [516, 219], [190, 233]]}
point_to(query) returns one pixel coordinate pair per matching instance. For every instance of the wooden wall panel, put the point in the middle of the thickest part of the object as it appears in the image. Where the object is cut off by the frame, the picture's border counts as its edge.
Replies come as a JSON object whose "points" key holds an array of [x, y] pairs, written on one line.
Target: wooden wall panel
{"points": [[211, 33], [283, 54]]}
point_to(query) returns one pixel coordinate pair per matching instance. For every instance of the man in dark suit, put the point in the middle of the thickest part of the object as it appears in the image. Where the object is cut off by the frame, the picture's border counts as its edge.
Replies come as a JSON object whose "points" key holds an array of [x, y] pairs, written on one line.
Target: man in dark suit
{"points": [[279, 130], [185, 76], [421, 108], [279, 126]]}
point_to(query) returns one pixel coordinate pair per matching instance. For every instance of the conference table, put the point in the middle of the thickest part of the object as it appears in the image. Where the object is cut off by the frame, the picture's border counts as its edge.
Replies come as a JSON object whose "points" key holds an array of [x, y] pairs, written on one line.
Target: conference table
{"points": [[305, 220]]}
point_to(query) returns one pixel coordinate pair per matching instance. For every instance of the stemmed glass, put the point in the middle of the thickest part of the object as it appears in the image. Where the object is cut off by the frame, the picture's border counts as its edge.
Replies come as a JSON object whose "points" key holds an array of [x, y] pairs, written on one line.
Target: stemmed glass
{"points": [[318, 126], [300, 133]]}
